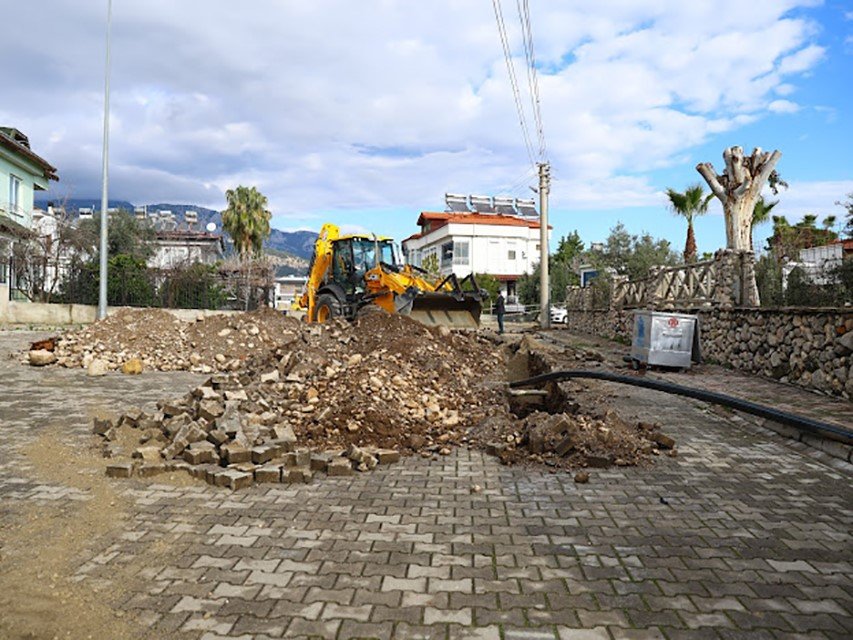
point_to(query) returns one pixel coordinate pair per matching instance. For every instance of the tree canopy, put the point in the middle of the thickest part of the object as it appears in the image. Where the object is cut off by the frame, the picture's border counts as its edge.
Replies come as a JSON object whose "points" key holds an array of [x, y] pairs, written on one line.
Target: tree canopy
{"points": [[127, 236], [246, 220], [689, 204], [788, 239], [633, 255], [562, 268]]}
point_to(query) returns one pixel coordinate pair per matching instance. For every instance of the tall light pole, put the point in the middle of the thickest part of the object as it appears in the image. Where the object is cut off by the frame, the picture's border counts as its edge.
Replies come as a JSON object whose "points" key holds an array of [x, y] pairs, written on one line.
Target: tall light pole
{"points": [[544, 287], [102, 283]]}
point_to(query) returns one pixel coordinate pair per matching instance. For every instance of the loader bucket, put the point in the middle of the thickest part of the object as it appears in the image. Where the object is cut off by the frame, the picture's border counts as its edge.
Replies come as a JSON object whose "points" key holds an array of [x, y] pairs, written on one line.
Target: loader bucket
{"points": [[445, 310]]}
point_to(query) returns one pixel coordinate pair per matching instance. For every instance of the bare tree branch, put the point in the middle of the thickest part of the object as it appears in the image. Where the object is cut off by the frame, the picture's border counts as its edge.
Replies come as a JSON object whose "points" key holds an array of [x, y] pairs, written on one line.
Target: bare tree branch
{"points": [[706, 170]]}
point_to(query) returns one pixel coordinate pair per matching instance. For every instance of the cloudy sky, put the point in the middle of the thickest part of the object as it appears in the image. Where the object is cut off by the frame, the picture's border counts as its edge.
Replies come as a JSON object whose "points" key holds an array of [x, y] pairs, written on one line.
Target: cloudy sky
{"points": [[366, 112]]}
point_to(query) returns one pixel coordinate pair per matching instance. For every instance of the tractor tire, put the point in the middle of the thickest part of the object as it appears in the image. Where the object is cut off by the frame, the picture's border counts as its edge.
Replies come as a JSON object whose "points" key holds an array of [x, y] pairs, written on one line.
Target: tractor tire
{"points": [[327, 308]]}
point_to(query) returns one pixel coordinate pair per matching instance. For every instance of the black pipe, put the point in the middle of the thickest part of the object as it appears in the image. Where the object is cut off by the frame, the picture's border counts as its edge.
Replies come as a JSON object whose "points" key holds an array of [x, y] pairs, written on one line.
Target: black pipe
{"points": [[823, 429]]}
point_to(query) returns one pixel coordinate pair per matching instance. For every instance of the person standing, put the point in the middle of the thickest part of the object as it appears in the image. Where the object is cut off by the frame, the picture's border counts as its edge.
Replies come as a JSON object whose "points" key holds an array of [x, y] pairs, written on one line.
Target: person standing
{"points": [[500, 310]]}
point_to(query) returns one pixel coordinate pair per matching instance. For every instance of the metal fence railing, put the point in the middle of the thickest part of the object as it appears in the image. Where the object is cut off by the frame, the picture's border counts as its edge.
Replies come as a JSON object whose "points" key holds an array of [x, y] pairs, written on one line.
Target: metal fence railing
{"points": [[131, 284]]}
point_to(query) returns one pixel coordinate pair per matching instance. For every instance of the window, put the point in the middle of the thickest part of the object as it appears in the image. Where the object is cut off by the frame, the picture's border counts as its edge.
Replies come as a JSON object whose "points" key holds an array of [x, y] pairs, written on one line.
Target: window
{"points": [[510, 254], [460, 253], [446, 254], [14, 195]]}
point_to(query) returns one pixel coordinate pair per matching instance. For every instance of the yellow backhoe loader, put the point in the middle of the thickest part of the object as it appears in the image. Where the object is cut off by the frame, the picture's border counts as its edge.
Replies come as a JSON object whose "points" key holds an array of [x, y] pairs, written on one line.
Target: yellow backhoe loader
{"points": [[356, 273]]}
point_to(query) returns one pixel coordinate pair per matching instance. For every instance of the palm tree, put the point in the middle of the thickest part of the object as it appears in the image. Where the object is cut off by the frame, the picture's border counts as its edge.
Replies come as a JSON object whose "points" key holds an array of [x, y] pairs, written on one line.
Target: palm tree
{"points": [[761, 213], [693, 202], [247, 221]]}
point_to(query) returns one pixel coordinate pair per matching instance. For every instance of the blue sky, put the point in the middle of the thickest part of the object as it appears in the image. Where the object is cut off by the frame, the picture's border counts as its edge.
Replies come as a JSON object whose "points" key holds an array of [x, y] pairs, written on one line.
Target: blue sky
{"points": [[366, 113]]}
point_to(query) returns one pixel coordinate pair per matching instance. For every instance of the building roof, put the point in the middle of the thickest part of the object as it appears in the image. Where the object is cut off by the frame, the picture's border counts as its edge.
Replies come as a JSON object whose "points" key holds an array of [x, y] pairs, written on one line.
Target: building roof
{"points": [[846, 244], [16, 141], [447, 217]]}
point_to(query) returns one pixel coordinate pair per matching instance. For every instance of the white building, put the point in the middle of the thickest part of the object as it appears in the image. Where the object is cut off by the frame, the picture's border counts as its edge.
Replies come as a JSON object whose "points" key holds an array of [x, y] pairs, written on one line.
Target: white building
{"points": [[288, 289], [178, 248], [818, 262], [502, 245]]}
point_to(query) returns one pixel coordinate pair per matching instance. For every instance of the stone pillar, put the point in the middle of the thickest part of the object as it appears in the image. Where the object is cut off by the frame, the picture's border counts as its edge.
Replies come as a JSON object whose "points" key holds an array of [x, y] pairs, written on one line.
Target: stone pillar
{"points": [[749, 286], [734, 274]]}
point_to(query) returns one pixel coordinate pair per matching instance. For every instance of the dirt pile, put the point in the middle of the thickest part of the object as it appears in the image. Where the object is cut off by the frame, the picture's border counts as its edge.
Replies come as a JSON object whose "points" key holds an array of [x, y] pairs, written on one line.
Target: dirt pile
{"points": [[290, 399], [163, 342], [572, 441], [335, 398]]}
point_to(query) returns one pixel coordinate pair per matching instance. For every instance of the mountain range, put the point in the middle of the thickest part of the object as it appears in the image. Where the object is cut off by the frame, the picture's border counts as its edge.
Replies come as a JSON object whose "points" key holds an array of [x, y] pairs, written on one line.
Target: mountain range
{"points": [[297, 243]]}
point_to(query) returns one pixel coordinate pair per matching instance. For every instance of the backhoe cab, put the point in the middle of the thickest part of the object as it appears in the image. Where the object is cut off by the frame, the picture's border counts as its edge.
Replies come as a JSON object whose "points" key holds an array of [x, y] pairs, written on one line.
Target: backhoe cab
{"points": [[353, 274]]}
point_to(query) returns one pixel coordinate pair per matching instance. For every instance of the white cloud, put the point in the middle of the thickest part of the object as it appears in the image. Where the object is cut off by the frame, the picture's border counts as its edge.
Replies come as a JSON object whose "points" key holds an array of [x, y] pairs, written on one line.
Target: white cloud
{"points": [[334, 104], [783, 106], [817, 197]]}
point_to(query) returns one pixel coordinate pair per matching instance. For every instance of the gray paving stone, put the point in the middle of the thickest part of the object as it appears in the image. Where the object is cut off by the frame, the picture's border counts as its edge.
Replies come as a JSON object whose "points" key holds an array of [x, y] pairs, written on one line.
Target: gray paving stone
{"points": [[745, 547]]}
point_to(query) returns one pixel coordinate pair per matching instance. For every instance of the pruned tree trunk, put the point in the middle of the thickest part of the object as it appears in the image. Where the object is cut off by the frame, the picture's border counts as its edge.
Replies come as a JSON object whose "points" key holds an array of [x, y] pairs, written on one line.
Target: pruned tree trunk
{"points": [[739, 188]]}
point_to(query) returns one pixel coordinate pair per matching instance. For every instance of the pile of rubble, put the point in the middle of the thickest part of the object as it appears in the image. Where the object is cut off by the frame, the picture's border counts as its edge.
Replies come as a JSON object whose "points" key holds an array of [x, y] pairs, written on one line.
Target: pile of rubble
{"points": [[287, 400], [161, 341], [335, 398], [571, 441]]}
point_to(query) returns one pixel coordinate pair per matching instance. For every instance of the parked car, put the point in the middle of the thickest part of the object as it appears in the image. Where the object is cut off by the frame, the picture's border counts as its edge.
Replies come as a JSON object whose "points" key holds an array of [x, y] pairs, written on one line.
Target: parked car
{"points": [[559, 315]]}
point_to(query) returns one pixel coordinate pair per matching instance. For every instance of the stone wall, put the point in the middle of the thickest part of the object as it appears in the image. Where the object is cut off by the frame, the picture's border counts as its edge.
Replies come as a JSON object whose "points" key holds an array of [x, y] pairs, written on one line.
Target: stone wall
{"points": [[808, 347]]}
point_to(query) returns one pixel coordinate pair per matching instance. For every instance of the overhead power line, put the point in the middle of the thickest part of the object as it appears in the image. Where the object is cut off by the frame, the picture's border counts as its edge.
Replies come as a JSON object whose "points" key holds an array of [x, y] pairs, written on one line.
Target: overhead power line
{"points": [[512, 79], [532, 77]]}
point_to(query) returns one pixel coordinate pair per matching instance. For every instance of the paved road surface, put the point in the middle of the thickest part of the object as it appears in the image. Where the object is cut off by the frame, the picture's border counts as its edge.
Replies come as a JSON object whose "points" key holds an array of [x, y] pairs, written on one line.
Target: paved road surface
{"points": [[740, 536]]}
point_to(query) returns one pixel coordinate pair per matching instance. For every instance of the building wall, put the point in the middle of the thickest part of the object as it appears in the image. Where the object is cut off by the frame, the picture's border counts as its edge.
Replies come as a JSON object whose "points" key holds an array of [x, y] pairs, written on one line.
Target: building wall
{"points": [[286, 292], [31, 178], [171, 253], [492, 249], [43, 313]]}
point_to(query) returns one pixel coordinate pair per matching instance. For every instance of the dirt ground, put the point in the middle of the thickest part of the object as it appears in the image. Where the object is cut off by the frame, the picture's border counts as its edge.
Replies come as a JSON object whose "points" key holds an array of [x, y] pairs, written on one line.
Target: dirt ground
{"points": [[40, 597]]}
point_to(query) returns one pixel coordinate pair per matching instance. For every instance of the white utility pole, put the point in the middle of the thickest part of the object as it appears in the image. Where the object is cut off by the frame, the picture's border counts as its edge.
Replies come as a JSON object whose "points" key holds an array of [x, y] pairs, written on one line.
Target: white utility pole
{"points": [[102, 283], [544, 286]]}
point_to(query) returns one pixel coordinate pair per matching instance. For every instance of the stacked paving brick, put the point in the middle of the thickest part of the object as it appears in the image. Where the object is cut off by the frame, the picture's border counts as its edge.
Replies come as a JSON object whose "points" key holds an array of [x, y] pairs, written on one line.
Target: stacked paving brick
{"points": [[335, 398]]}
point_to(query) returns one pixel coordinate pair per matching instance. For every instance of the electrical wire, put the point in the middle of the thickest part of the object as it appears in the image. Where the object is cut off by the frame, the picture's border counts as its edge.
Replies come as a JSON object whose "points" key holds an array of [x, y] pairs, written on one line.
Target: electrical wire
{"points": [[513, 80], [532, 77], [521, 181]]}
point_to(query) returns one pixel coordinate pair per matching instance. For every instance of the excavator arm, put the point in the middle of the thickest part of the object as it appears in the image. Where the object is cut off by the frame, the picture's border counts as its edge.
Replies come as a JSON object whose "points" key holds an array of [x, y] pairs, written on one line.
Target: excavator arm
{"points": [[321, 262]]}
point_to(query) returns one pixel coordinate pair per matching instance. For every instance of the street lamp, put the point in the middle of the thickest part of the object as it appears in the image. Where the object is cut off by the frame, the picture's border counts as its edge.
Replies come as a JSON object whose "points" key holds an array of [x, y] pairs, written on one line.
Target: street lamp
{"points": [[102, 288]]}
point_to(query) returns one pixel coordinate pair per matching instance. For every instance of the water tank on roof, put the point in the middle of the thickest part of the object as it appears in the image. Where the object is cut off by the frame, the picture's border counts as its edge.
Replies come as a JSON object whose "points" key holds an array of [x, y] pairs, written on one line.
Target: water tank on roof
{"points": [[527, 207], [456, 202], [505, 206], [482, 204]]}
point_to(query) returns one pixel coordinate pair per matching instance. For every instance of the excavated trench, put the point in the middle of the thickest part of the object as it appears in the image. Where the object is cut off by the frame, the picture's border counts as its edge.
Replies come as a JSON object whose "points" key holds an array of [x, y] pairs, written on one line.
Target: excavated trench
{"points": [[556, 425]]}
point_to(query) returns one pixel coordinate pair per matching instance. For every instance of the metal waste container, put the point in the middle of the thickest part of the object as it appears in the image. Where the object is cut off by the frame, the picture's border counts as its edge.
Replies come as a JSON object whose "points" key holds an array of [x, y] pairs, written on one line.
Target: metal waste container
{"points": [[665, 339]]}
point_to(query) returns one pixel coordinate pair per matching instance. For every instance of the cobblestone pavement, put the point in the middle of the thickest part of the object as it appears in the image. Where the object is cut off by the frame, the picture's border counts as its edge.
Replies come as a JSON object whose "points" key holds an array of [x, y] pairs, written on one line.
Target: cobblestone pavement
{"points": [[785, 397], [740, 536]]}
